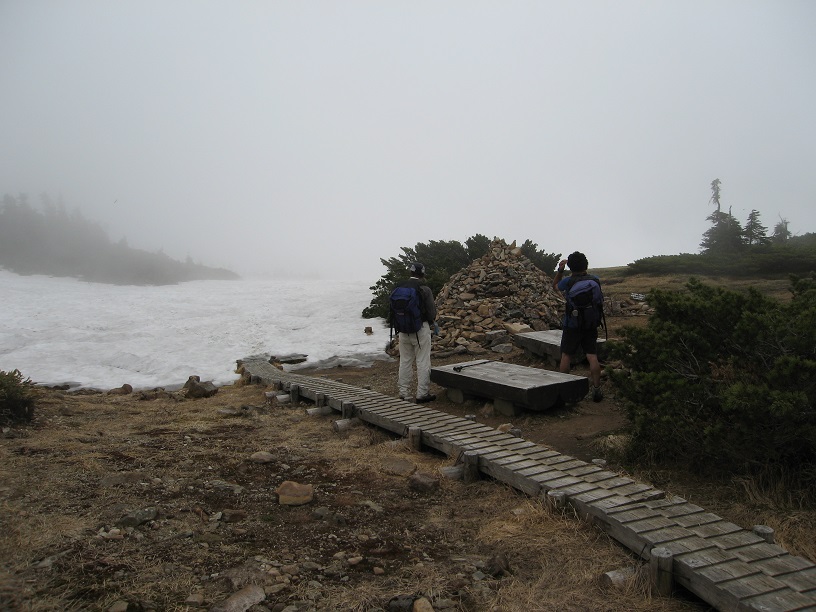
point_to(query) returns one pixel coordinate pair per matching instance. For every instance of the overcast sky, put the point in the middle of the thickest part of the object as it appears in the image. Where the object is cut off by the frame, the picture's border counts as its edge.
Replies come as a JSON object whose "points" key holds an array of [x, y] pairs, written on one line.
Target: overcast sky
{"points": [[315, 137]]}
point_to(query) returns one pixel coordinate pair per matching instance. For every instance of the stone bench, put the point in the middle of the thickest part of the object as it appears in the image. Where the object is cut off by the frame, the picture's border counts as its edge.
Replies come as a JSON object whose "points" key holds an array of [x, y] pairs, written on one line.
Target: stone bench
{"points": [[547, 344], [511, 387]]}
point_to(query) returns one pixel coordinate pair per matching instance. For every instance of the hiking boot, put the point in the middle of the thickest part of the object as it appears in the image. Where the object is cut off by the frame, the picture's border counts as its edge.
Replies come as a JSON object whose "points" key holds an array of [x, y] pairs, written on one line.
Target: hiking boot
{"points": [[424, 400], [597, 394]]}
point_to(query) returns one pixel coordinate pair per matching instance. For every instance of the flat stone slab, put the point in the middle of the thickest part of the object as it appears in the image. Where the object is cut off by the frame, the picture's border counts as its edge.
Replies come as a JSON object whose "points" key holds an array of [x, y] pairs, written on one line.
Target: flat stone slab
{"points": [[547, 344], [529, 388]]}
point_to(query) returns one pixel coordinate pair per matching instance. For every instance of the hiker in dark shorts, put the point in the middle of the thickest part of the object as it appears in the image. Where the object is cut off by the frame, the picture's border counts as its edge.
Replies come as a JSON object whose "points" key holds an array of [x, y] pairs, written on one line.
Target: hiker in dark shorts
{"points": [[576, 335]]}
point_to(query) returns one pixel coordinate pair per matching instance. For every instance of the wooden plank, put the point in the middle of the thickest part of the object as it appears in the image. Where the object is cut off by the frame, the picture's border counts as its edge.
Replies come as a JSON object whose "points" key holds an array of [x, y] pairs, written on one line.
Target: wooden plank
{"points": [[751, 586], [592, 496], [632, 489], [647, 494], [557, 459], [472, 443], [540, 452], [613, 501], [548, 483], [719, 528], [674, 505], [612, 483], [665, 535], [730, 570], [802, 581], [779, 600], [547, 344], [693, 545], [637, 512], [388, 424], [782, 563], [537, 469], [695, 518], [600, 477], [702, 553], [571, 464], [520, 465], [587, 468], [498, 454], [651, 524], [508, 476], [581, 487], [736, 539]]}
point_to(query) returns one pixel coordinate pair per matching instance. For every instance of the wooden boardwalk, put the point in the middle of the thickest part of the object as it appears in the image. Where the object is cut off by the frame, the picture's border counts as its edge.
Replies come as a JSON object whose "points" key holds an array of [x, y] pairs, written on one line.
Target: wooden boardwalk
{"points": [[727, 566]]}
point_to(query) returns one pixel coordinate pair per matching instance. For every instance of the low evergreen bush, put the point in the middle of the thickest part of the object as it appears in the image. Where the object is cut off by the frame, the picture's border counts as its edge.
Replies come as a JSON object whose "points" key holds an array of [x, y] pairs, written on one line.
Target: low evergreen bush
{"points": [[724, 382], [17, 398]]}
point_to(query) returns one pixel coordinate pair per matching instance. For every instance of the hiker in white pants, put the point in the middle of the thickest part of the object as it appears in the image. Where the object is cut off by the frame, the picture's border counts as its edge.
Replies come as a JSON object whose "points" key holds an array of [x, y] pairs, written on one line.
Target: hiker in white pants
{"points": [[415, 347]]}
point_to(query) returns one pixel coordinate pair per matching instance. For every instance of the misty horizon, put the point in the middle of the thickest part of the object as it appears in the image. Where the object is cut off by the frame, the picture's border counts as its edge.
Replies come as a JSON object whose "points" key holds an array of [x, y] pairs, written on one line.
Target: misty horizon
{"points": [[310, 140]]}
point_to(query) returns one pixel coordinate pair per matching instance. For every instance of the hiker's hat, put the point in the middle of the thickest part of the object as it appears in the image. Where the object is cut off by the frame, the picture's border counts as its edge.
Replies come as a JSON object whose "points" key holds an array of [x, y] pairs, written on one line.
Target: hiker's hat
{"points": [[417, 268]]}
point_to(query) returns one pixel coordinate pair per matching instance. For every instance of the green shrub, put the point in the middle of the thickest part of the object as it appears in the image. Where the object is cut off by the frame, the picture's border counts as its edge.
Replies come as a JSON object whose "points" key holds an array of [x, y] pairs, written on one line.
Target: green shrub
{"points": [[17, 397], [724, 382]]}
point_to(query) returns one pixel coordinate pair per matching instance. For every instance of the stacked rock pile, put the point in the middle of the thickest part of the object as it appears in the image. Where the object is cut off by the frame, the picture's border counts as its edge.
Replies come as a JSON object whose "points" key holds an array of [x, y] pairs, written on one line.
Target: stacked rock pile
{"points": [[496, 295]]}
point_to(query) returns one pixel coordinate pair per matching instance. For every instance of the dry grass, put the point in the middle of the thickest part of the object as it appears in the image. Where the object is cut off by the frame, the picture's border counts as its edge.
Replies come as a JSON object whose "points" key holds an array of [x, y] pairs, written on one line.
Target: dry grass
{"points": [[54, 503]]}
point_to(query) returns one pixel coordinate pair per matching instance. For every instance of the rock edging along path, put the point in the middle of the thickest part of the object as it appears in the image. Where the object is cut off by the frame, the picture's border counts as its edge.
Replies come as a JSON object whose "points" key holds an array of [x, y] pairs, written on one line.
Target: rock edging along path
{"points": [[727, 566]]}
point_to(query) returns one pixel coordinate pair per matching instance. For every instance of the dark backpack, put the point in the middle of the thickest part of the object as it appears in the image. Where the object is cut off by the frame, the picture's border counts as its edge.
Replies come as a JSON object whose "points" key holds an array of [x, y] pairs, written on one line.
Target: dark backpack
{"points": [[406, 310], [585, 301]]}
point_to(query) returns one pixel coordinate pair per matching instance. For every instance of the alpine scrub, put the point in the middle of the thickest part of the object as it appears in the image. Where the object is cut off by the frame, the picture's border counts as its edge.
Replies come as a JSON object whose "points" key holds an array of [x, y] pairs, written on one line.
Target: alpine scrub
{"points": [[17, 398], [724, 382]]}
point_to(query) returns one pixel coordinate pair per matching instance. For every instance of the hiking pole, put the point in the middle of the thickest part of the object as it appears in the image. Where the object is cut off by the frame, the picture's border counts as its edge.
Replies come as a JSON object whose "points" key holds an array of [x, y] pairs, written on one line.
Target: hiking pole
{"points": [[459, 368]]}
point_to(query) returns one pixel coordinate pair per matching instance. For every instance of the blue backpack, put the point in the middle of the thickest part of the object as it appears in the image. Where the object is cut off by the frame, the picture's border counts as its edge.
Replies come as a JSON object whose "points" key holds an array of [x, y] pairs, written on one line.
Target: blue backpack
{"points": [[585, 301], [406, 310]]}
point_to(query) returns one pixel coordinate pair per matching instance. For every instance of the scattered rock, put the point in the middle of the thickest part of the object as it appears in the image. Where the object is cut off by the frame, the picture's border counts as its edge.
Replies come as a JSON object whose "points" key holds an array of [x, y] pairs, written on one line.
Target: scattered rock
{"points": [[423, 483], [422, 605], [125, 389], [138, 517], [197, 390], [262, 457], [291, 493], [401, 603], [242, 600], [233, 516]]}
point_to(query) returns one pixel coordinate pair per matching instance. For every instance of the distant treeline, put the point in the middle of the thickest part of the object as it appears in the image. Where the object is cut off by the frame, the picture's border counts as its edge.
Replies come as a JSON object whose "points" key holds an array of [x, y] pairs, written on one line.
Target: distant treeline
{"points": [[797, 255], [56, 243]]}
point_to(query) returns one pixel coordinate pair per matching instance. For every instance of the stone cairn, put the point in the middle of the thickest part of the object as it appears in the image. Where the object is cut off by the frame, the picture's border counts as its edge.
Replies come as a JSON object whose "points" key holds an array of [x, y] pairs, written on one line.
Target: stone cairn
{"points": [[503, 293], [499, 294]]}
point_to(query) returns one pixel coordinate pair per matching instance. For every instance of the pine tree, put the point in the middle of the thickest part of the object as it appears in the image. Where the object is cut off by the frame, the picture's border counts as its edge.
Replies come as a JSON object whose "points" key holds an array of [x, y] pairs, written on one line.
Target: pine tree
{"points": [[754, 232]]}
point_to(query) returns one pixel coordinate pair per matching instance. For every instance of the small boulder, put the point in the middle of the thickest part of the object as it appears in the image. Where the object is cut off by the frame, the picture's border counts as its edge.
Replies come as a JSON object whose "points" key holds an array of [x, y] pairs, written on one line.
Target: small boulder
{"points": [[198, 390], [291, 493], [125, 389]]}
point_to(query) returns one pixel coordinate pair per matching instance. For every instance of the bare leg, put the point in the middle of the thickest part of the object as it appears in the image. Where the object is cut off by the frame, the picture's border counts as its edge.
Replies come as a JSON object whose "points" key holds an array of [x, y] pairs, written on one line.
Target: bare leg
{"points": [[594, 370], [564, 366]]}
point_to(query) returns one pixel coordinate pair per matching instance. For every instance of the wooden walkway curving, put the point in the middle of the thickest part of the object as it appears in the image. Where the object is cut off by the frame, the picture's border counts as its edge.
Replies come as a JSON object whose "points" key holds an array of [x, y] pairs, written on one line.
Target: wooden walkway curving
{"points": [[725, 565]]}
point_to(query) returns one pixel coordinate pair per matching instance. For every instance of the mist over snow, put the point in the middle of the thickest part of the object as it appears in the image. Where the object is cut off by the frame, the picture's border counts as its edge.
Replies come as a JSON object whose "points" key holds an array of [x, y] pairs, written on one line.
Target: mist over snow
{"points": [[309, 139], [61, 330]]}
